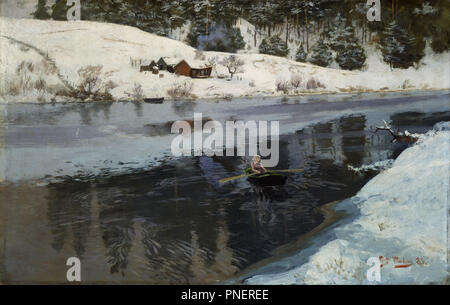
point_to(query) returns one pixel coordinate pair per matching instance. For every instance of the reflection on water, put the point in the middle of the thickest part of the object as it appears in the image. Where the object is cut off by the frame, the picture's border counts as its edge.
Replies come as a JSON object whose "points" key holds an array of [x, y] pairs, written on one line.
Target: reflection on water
{"points": [[176, 224], [69, 209]]}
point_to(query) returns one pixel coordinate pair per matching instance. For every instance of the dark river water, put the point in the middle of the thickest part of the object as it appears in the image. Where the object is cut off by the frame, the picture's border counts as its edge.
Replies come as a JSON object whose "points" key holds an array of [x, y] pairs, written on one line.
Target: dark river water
{"points": [[173, 222]]}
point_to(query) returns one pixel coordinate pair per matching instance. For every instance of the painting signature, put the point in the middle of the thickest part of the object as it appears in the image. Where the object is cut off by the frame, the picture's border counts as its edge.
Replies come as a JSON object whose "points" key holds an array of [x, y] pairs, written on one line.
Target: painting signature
{"points": [[398, 262]]}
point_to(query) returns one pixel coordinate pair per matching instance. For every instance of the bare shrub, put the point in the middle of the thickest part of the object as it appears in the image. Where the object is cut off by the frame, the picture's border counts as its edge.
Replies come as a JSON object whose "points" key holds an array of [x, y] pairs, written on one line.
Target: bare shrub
{"points": [[137, 93], [233, 64], [311, 84], [54, 88], [11, 87], [40, 84], [46, 68], [22, 80], [25, 66], [90, 86], [296, 81], [108, 86], [18, 84], [228, 97], [30, 66], [21, 67], [314, 84], [251, 83], [407, 84], [25, 82], [283, 85], [212, 61], [89, 78], [181, 90]]}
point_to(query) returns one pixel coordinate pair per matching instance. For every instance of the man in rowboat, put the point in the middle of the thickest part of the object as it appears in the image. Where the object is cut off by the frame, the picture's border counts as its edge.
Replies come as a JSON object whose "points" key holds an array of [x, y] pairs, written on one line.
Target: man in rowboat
{"points": [[257, 166]]}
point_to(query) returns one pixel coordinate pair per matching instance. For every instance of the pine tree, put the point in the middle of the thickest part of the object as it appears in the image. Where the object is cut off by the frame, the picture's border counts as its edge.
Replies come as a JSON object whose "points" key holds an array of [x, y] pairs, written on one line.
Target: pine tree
{"points": [[439, 28], [59, 10], [192, 37], [321, 54], [41, 10], [216, 45], [352, 57], [341, 32], [301, 55], [399, 49], [342, 39], [264, 47], [174, 9], [99, 10], [274, 46], [230, 41], [235, 40]]}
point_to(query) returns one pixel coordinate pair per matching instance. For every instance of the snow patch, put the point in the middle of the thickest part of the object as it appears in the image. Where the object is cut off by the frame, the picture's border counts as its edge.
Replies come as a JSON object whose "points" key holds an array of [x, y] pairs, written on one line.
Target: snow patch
{"points": [[377, 166], [403, 213]]}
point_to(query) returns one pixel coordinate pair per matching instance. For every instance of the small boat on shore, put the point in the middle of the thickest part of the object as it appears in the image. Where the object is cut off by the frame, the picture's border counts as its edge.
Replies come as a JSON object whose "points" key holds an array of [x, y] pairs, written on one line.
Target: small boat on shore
{"points": [[267, 179], [157, 100]]}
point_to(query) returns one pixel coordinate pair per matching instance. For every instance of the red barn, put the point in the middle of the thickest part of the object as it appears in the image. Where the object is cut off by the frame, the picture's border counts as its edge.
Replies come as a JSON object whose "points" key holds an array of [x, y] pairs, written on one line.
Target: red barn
{"points": [[199, 71]]}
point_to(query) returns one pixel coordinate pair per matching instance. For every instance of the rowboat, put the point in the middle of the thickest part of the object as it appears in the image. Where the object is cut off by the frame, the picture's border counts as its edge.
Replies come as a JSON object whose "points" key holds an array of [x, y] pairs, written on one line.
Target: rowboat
{"points": [[266, 179], [158, 100]]}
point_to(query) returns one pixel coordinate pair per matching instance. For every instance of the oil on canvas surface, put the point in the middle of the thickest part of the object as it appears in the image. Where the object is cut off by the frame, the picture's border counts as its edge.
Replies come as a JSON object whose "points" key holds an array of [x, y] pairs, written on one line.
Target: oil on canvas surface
{"points": [[224, 142]]}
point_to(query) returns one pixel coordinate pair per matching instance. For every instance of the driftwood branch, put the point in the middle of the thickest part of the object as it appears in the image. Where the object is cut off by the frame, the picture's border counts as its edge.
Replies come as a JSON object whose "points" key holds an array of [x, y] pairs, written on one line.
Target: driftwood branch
{"points": [[397, 136]]}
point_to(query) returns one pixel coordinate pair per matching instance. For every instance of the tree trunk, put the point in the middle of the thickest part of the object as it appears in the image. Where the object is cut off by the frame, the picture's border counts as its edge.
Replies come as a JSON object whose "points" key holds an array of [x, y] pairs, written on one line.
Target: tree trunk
{"points": [[362, 32], [287, 31], [303, 36], [393, 10], [207, 19], [307, 29]]}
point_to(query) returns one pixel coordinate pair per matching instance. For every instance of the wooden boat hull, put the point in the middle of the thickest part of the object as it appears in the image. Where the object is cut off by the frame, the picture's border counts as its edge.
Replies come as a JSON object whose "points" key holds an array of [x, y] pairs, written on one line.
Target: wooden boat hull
{"points": [[267, 179], [154, 100]]}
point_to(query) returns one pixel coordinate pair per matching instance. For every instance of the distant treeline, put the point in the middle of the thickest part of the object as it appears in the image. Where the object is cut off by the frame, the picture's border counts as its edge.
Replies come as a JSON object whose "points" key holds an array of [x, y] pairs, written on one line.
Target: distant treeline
{"points": [[400, 35]]}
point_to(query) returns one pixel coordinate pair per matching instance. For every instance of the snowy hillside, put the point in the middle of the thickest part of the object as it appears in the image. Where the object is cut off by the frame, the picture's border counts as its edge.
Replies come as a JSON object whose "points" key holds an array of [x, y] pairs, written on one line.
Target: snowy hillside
{"points": [[403, 216], [40, 58]]}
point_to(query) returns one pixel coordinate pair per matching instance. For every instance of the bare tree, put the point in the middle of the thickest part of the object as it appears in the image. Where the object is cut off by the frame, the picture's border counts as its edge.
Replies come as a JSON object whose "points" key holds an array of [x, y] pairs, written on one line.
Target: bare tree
{"points": [[89, 78], [233, 64], [213, 63]]}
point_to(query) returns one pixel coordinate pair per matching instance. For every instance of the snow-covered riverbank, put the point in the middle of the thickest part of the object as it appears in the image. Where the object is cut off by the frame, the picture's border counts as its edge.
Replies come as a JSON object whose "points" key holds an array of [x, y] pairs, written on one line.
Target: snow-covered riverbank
{"points": [[40, 59], [402, 217]]}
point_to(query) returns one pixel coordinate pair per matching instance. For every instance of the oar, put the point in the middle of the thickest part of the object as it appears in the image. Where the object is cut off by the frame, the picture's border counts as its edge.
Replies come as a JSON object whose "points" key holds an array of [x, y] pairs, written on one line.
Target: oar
{"points": [[297, 170], [236, 177]]}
